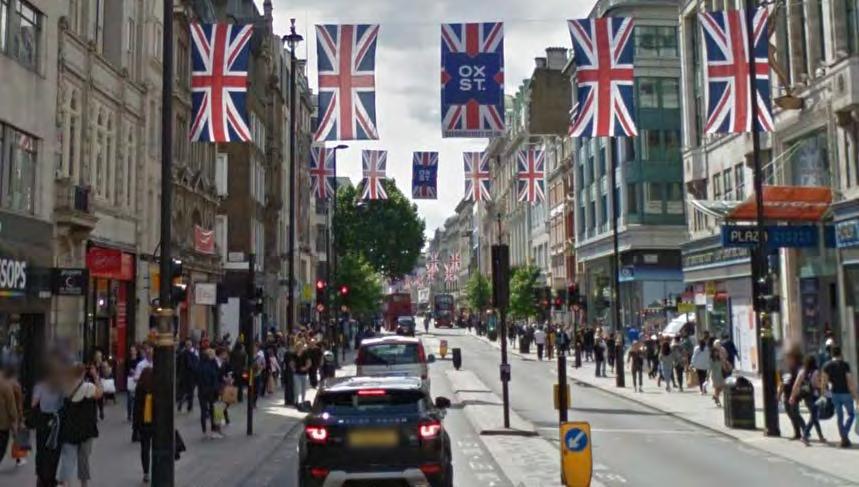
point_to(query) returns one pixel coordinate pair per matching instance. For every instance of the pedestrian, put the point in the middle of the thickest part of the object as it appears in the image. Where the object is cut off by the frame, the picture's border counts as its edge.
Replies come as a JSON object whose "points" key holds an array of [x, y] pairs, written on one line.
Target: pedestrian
{"points": [[839, 380], [143, 418], [238, 361], [789, 375], [208, 386], [226, 378], [701, 364], [186, 365], [680, 362], [540, 340], [666, 365], [99, 368], [46, 403], [78, 426], [806, 388], [599, 354], [10, 419], [610, 350], [300, 367], [130, 383], [636, 366], [651, 347], [589, 338], [718, 367], [731, 352]]}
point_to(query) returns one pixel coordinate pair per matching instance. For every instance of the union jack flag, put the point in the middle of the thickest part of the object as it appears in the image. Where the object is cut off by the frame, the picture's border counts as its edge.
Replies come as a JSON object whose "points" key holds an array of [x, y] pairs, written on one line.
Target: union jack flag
{"points": [[477, 183], [455, 261], [531, 173], [219, 82], [472, 79], [604, 77], [449, 273], [729, 90], [432, 263], [374, 162], [323, 171], [346, 57], [424, 175]]}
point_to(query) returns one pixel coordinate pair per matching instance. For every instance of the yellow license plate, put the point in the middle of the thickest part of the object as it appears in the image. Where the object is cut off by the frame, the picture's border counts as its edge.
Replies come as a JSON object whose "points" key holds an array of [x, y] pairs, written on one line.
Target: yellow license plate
{"points": [[373, 438]]}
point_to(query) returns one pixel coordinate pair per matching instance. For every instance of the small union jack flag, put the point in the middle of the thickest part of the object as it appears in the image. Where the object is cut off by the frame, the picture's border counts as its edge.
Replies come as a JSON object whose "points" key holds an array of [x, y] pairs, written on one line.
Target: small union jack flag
{"points": [[455, 261], [449, 273], [323, 171], [219, 82], [346, 59], [432, 263], [477, 182], [472, 79], [531, 175], [375, 162], [604, 77], [729, 88], [424, 175]]}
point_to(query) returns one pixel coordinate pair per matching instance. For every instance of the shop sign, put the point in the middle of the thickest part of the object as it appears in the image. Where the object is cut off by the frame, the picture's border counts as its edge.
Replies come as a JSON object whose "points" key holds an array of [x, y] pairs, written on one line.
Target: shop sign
{"points": [[686, 307], [206, 293], [110, 263], [777, 237], [13, 277], [719, 255], [70, 282], [847, 234]]}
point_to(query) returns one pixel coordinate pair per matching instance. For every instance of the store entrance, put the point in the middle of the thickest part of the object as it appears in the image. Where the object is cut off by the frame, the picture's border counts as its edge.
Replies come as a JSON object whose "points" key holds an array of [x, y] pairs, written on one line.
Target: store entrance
{"points": [[22, 346]]}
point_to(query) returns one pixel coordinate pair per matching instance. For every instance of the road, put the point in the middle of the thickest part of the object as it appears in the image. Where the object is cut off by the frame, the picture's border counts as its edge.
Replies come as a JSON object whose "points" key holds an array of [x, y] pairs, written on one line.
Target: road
{"points": [[633, 445]]}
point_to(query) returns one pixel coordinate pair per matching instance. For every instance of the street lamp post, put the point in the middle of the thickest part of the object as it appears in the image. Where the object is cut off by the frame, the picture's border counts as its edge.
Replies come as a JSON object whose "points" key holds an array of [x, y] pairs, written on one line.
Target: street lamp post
{"points": [[164, 366], [292, 39], [332, 256]]}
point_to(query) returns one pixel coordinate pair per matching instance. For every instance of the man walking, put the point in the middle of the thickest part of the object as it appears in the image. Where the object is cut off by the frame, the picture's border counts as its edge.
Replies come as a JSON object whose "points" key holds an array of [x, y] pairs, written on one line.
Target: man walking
{"points": [[839, 379], [540, 340], [185, 368]]}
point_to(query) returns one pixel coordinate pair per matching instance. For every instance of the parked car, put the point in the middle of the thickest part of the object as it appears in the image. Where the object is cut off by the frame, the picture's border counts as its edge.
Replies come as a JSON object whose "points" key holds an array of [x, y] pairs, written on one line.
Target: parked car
{"points": [[375, 431]]}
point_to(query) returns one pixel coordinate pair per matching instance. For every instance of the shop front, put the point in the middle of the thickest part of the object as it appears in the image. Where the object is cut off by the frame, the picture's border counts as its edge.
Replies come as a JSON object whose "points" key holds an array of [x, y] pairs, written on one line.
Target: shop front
{"points": [[26, 257], [110, 324], [846, 216]]}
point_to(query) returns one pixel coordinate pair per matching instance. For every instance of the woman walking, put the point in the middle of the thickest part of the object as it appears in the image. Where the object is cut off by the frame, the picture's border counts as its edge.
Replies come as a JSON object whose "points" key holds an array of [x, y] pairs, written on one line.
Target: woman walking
{"points": [[636, 365], [701, 364], [79, 425], [300, 367], [806, 388], [47, 401], [142, 418], [666, 365], [130, 383], [792, 365], [717, 372]]}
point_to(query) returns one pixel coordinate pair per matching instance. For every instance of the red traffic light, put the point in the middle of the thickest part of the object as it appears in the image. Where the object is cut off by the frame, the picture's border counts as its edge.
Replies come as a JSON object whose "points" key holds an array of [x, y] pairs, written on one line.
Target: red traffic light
{"points": [[320, 284], [344, 290]]}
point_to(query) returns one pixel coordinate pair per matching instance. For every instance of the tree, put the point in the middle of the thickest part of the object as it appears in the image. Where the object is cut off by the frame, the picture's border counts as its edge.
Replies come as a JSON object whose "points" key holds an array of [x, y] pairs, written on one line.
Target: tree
{"points": [[388, 234], [477, 292], [523, 282], [363, 284]]}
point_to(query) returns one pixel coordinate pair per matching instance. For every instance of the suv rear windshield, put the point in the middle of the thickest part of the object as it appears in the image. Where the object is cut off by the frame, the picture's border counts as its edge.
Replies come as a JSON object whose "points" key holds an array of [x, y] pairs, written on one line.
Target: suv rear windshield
{"points": [[389, 354], [351, 402]]}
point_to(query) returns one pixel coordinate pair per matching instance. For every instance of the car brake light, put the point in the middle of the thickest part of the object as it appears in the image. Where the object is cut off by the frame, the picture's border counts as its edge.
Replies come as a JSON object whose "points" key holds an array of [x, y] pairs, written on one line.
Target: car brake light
{"points": [[422, 356], [431, 468], [316, 434], [372, 392], [318, 473], [429, 430], [360, 358]]}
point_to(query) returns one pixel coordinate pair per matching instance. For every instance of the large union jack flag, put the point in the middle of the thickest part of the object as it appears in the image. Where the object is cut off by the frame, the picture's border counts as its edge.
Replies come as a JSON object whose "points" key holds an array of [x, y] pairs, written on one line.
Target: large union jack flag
{"points": [[374, 162], [346, 57], [432, 263], [531, 182], [323, 171], [477, 182], [219, 82], [472, 79], [604, 77], [424, 175], [729, 89]]}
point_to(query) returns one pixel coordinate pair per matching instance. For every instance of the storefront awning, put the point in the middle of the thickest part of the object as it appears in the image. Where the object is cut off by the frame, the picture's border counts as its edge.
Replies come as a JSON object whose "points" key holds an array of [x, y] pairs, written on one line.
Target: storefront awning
{"points": [[718, 209], [786, 203]]}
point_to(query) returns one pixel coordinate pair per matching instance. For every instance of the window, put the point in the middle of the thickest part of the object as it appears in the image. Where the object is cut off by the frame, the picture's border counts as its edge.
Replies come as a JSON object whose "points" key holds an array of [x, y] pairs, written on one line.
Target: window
{"points": [[675, 199], [4, 22], [717, 187], [130, 168], [18, 174], [852, 21], [25, 30], [653, 196], [650, 145], [603, 209], [655, 41], [157, 41], [631, 198], [727, 184], [71, 116], [648, 95], [131, 46], [739, 181], [670, 93], [95, 27], [183, 64]]}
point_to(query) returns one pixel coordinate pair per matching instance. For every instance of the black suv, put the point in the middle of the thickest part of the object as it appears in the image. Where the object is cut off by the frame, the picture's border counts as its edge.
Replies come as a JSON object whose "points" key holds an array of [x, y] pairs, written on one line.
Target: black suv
{"points": [[374, 431]]}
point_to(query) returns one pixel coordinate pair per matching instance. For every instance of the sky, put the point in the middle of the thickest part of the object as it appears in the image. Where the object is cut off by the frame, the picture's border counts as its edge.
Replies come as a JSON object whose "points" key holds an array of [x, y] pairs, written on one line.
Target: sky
{"points": [[408, 57]]}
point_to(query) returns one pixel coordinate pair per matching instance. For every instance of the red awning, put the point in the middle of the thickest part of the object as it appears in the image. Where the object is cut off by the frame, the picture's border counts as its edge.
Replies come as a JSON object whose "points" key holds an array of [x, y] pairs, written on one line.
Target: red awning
{"points": [[786, 203]]}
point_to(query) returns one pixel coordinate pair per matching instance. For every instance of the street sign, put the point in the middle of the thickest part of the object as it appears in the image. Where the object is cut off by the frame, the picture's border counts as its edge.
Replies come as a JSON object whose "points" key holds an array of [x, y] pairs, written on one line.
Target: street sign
{"points": [[777, 236], [576, 456]]}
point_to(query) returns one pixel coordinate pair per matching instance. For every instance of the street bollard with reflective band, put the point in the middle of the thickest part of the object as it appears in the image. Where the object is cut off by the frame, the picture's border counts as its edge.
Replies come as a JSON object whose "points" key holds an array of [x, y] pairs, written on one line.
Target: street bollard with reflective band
{"points": [[576, 457]]}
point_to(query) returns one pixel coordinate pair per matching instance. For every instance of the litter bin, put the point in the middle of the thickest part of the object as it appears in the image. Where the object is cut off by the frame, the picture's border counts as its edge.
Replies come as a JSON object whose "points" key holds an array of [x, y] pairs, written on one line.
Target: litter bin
{"points": [[739, 399], [524, 345], [457, 358]]}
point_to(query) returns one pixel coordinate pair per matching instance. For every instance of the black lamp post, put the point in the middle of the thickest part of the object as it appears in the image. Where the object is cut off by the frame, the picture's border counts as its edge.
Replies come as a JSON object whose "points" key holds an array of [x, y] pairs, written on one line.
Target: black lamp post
{"points": [[332, 252], [292, 39]]}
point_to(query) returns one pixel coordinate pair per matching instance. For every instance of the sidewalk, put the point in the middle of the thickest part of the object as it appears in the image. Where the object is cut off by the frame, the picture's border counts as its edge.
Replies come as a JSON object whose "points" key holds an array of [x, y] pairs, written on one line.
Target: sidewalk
{"points": [[115, 459], [691, 407]]}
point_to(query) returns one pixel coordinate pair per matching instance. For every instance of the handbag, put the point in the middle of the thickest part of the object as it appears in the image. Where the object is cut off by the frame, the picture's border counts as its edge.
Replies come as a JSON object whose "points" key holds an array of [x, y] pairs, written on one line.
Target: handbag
{"points": [[219, 413], [131, 384], [18, 452], [269, 387], [22, 439], [147, 409], [825, 408], [108, 386], [230, 394], [691, 378]]}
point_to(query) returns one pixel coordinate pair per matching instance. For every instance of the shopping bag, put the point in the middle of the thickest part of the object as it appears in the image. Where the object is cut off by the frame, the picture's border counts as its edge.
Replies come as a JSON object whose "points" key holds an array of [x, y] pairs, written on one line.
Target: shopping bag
{"points": [[691, 379], [825, 408], [219, 413], [230, 394], [22, 439], [147, 409], [108, 386], [269, 387], [18, 452]]}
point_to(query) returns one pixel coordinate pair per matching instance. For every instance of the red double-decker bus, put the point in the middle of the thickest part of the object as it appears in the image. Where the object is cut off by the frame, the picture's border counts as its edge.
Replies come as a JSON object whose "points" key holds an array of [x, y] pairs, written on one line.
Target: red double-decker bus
{"points": [[393, 306]]}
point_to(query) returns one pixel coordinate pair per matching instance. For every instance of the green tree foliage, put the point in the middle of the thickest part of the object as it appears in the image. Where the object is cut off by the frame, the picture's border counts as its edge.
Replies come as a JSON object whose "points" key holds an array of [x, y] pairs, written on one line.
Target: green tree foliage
{"points": [[523, 281], [388, 234], [365, 285], [478, 292]]}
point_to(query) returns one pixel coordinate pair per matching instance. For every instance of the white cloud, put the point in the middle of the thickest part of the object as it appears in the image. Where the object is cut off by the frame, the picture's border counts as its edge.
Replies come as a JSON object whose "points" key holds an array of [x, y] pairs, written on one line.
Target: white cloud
{"points": [[407, 73]]}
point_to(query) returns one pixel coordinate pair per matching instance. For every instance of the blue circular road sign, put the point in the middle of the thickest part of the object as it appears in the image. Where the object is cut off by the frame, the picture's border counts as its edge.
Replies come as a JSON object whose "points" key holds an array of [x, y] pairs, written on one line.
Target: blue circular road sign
{"points": [[576, 440]]}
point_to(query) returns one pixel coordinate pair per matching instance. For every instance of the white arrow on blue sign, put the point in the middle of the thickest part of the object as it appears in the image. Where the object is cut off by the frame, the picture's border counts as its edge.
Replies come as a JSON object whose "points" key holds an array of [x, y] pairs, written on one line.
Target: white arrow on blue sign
{"points": [[576, 440]]}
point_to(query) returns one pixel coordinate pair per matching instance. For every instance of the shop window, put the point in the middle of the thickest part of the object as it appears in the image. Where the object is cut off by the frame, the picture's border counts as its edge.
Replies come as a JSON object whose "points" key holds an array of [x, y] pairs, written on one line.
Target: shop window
{"points": [[728, 184], [740, 181], [655, 41], [653, 197], [18, 162]]}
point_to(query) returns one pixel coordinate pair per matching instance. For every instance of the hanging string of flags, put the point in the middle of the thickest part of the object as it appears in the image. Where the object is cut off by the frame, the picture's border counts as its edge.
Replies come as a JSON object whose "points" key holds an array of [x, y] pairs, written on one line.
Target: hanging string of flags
{"points": [[472, 92]]}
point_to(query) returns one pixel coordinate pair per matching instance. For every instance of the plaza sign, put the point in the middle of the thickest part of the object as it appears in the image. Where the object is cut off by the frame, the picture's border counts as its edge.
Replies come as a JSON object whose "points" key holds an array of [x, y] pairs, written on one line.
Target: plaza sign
{"points": [[776, 237]]}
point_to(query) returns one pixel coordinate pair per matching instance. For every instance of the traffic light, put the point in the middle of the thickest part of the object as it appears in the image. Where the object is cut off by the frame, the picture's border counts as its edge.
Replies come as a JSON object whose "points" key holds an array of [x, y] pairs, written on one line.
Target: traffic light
{"points": [[257, 301], [320, 295], [178, 288], [561, 296], [766, 301], [344, 291]]}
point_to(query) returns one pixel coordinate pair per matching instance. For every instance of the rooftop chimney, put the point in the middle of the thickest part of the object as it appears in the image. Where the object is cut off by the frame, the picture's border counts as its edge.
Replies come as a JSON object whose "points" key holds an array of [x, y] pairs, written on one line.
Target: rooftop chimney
{"points": [[540, 62], [557, 57]]}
